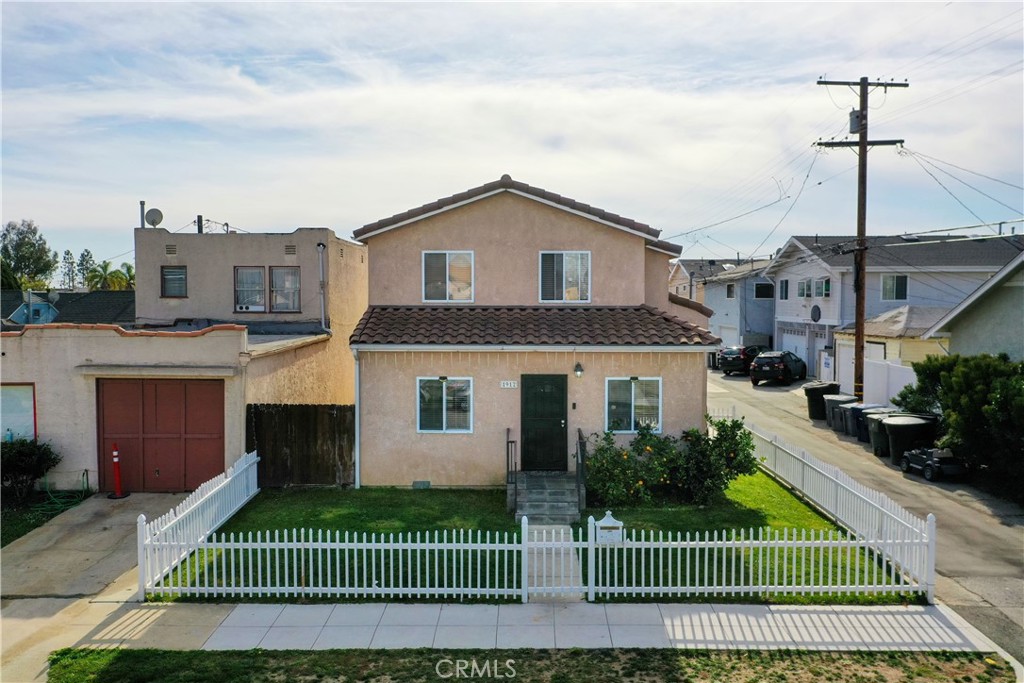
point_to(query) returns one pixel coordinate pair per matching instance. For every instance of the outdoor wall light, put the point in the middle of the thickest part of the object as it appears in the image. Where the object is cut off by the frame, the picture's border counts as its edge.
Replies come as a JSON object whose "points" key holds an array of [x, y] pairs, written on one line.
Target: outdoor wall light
{"points": [[442, 379], [578, 370], [634, 379]]}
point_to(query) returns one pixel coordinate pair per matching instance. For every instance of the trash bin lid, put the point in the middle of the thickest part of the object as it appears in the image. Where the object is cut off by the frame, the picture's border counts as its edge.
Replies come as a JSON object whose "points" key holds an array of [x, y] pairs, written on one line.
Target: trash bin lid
{"points": [[905, 420]]}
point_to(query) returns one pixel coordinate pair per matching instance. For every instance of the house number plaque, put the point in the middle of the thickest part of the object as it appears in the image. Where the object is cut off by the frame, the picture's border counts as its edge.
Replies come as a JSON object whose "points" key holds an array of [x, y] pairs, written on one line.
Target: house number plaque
{"points": [[509, 384]]}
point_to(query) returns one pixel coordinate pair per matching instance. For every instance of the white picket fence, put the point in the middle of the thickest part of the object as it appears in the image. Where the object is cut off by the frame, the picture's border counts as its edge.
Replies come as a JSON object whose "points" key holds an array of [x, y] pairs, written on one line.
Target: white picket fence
{"points": [[169, 540], [884, 550]]}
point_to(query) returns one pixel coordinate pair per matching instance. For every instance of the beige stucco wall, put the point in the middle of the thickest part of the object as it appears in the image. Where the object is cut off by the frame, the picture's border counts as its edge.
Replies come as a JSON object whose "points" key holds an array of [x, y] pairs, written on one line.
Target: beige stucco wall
{"points": [[64, 363], [325, 374], [393, 453], [908, 350], [506, 233]]}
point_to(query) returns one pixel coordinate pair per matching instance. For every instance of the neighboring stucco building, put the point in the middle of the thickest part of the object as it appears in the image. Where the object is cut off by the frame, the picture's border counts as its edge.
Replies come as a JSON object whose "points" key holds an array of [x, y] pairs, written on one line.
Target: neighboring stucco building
{"points": [[990, 320], [172, 394], [686, 277], [507, 311]]}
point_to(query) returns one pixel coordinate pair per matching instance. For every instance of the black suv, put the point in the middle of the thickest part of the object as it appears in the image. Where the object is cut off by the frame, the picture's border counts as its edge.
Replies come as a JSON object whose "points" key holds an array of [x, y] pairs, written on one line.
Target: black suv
{"points": [[738, 358], [934, 463], [781, 365]]}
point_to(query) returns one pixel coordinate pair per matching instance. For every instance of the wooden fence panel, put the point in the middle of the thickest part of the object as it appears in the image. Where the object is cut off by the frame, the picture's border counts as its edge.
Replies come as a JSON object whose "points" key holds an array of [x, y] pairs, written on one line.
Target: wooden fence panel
{"points": [[302, 445]]}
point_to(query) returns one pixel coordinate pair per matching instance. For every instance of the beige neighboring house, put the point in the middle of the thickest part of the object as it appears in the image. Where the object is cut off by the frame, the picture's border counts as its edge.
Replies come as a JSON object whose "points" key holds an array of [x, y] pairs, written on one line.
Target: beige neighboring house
{"points": [[223, 320], [686, 277], [510, 313]]}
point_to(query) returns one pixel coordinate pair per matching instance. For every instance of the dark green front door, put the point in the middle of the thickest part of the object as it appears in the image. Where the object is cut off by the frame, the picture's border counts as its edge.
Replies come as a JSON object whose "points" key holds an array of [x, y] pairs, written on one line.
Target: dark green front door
{"points": [[543, 428]]}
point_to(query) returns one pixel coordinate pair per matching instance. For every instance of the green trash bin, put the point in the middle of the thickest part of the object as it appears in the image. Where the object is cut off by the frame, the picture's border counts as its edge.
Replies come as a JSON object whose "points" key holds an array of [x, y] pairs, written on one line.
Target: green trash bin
{"points": [[834, 418], [863, 430], [907, 432]]}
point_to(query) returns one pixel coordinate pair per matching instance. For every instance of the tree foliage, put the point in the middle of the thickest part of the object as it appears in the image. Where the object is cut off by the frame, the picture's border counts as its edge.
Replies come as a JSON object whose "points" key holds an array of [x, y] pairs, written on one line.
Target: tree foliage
{"points": [[22, 463], [105, 276], [128, 275], [981, 403], [68, 272], [24, 248], [694, 469], [86, 262], [8, 280]]}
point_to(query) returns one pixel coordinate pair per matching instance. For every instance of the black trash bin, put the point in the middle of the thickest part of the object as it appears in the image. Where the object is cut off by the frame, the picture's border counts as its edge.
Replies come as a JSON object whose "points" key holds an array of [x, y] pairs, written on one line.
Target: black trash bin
{"points": [[863, 433], [815, 393], [876, 434], [851, 414], [907, 432], [833, 417]]}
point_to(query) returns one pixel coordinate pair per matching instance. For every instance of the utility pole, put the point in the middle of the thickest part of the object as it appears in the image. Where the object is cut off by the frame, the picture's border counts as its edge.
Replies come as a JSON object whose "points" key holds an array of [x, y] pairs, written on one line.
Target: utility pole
{"points": [[859, 124]]}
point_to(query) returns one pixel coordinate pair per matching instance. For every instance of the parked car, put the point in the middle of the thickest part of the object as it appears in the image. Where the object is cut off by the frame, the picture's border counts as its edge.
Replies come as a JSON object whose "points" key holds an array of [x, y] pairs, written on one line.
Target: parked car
{"points": [[780, 365], [738, 358], [934, 463]]}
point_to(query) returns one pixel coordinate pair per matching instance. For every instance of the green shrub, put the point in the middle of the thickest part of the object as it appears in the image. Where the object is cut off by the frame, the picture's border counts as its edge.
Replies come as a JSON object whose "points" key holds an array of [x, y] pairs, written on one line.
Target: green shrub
{"points": [[22, 463], [656, 468]]}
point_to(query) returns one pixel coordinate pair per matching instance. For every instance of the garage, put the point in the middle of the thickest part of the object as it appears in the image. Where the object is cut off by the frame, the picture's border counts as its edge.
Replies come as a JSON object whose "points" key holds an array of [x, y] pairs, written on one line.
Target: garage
{"points": [[169, 432]]}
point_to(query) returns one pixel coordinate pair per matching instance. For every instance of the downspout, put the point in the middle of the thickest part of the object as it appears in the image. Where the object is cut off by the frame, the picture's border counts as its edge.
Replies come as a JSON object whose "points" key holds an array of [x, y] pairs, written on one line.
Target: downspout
{"points": [[355, 449], [320, 246]]}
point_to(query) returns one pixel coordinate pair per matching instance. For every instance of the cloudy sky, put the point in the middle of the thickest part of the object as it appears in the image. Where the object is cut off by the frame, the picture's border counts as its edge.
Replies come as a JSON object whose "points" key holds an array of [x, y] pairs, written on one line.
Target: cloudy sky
{"points": [[270, 116]]}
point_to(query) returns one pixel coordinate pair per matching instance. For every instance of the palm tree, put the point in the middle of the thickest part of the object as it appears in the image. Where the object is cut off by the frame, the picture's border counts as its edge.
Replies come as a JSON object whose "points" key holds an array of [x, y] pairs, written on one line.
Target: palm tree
{"points": [[103, 276], [128, 271]]}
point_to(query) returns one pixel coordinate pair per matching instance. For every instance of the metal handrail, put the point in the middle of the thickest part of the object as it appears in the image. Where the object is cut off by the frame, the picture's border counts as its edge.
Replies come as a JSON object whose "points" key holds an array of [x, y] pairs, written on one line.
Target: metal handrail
{"points": [[512, 467], [581, 468]]}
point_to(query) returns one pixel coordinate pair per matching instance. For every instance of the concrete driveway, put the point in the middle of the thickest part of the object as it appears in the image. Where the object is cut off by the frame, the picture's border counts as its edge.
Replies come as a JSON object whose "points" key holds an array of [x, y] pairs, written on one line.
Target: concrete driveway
{"points": [[61, 580], [980, 548]]}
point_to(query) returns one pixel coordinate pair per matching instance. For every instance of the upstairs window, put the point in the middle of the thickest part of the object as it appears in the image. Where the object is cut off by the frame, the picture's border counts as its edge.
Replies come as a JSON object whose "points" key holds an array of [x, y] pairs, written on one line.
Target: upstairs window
{"points": [[284, 289], [730, 291], [783, 290], [565, 276], [823, 288], [444, 404], [631, 402], [894, 288], [764, 290], [250, 292], [173, 282], [448, 276], [803, 288]]}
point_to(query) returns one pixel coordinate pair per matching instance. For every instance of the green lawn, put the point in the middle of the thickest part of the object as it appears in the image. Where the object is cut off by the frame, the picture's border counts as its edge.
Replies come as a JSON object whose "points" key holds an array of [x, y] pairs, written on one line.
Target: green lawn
{"points": [[528, 666], [333, 561], [39, 508]]}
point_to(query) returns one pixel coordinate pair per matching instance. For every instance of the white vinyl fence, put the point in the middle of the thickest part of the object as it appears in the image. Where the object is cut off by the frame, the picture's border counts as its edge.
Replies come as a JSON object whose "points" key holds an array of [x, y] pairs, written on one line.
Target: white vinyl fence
{"points": [[168, 541], [884, 549]]}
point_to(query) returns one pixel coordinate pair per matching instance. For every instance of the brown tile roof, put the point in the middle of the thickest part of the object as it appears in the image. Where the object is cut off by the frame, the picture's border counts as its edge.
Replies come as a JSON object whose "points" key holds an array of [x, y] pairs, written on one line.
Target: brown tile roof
{"points": [[527, 326], [690, 303], [506, 183]]}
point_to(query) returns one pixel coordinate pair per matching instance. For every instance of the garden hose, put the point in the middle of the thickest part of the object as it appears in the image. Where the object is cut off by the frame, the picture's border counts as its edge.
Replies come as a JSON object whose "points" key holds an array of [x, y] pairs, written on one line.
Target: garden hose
{"points": [[59, 501]]}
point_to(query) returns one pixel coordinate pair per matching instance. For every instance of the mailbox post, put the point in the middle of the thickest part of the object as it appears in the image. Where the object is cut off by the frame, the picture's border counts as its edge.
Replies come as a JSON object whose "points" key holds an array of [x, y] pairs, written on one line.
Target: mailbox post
{"points": [[607, 532]]}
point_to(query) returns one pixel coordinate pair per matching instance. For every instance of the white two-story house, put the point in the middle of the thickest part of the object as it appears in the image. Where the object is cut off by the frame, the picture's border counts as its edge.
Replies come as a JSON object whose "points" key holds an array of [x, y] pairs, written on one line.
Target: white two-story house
{"points": [[814, 281]]}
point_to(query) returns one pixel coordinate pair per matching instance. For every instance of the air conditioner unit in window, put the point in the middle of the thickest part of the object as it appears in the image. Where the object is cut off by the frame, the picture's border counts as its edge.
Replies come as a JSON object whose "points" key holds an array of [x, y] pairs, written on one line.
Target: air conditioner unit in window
{"points": [[248, 308]]}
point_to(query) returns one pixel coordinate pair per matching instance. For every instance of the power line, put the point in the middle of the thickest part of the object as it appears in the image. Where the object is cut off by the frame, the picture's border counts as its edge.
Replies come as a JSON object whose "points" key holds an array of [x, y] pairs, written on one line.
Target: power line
{"points": [[965, 170]]}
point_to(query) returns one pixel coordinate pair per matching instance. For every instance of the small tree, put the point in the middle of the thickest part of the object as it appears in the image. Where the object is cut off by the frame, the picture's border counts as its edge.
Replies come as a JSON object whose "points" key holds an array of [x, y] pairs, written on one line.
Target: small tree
{"points": [[25, 249], [105, 277], [22, 463], [713, 460]]}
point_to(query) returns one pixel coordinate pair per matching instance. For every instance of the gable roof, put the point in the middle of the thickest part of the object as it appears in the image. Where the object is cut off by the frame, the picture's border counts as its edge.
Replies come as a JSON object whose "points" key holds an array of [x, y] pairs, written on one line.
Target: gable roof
{"points": [[699, 268], [10, 301], [902, 251], [902, 322], [506, 184], [740, 272], [995, 281], [503, 326], [100, 306]]}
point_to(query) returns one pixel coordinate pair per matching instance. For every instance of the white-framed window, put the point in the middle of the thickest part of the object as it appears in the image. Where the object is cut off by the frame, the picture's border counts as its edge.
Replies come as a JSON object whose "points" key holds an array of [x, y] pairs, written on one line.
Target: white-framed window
{"points": [[250, 290], [783, 290], [284, 289], [564, 276], [448, 276], [18, 411], [173, 282], [631, 402], [730, 291], [444, 404], [894, 287], [764, 290], [823, 288], [803, 289]]}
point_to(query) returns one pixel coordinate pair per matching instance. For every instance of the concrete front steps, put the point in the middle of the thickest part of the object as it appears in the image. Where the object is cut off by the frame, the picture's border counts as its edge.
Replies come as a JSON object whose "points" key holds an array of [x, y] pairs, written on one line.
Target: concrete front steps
{"points": [[547, 498]]}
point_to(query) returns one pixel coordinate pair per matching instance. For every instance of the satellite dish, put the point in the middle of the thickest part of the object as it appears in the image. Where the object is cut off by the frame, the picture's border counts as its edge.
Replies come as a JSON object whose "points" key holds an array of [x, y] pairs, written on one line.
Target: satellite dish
{"points": [[154, 217], [53, 295], [815, 313]]}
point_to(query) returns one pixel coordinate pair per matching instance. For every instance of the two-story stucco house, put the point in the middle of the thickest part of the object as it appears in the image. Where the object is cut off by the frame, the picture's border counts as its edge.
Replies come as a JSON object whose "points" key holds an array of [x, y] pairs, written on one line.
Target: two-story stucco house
{"points": [[507, 312], [686, 277], [814, 282], [743, 301], [222, 321]]}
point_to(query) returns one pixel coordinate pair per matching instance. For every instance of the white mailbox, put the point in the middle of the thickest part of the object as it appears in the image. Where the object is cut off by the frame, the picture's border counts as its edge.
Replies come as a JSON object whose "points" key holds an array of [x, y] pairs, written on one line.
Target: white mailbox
{"points": [[609, 529]]}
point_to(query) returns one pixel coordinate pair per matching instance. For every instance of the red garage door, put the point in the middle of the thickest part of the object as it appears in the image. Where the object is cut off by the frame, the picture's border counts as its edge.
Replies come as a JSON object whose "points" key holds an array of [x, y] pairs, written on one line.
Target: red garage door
{"points": [[169, 432]]}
